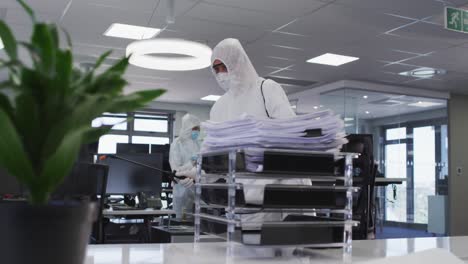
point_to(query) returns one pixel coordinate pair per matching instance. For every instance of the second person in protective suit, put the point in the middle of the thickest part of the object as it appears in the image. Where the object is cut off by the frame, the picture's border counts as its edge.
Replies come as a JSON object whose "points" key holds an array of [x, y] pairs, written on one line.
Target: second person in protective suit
{"points": [[183, 158]]}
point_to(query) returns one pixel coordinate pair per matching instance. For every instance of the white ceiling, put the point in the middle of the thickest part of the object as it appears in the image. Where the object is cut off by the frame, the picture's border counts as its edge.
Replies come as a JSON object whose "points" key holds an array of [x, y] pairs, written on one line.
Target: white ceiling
{"points": [[390, 36]]}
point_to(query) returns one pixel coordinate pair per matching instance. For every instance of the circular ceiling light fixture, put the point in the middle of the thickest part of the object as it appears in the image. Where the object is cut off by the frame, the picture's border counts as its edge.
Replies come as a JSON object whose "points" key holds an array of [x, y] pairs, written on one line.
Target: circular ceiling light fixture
{"points": [[158, 54]]}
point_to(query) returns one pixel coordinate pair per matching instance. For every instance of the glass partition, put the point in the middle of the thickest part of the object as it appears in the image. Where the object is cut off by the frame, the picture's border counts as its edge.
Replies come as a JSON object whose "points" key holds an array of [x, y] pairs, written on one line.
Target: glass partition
{"points": [[410, 142]]}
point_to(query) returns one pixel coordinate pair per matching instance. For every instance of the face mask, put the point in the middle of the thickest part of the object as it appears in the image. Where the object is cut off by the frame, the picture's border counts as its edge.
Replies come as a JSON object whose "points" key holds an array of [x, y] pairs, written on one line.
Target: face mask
{"points": [[224, 80], [195, 134]]}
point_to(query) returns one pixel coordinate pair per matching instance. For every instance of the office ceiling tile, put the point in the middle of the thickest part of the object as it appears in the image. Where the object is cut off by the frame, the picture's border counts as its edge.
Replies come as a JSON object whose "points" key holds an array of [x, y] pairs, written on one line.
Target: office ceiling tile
{"points": [[341, 24], [290, 8], [236, 16], [413, 8], [453, 59]]}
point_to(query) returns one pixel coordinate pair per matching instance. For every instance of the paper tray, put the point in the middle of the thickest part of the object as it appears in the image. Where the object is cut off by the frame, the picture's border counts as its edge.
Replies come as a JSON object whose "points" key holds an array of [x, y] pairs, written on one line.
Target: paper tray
{"points": [[283, 196], [280, 234], [274, 161]]}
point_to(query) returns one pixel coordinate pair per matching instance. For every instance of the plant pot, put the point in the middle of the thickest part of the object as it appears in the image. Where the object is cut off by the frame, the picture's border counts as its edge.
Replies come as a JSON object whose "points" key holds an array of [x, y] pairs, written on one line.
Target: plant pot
{"points": [[50, 234]]}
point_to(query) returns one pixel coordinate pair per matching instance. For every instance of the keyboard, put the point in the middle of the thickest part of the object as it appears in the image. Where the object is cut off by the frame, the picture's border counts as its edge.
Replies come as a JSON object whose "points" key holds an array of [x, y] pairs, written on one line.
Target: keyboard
{"points": [[124, 208]]}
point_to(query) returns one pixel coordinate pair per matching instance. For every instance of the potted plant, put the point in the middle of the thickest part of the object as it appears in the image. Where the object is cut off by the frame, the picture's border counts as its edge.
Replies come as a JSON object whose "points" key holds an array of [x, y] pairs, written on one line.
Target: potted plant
{"points": [[46, 109]]}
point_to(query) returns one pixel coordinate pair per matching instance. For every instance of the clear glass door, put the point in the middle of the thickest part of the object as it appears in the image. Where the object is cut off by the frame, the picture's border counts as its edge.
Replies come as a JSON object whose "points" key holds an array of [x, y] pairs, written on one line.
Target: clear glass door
{"points": [[424, 170]]}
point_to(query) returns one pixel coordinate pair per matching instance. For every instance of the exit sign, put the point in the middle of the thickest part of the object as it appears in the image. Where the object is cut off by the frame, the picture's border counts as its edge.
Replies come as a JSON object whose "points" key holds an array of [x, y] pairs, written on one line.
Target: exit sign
{"points": [[456, 19]]}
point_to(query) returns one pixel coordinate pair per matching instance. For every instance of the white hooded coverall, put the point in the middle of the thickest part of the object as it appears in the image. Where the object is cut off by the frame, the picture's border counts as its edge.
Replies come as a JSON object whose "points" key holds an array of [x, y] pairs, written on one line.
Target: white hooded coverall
{"points": [[182, 157], [246, 94]]}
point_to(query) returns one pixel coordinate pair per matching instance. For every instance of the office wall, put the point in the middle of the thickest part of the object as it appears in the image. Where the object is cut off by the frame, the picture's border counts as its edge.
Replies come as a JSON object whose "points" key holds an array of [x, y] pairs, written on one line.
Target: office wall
{"points": [[458, 158], [201, 111]]}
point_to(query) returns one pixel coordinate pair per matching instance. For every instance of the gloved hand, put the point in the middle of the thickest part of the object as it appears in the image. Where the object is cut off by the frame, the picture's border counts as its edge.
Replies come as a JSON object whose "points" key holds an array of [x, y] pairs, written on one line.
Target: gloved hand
{"points": [[187, 182], [191, 173], [186, 166]]}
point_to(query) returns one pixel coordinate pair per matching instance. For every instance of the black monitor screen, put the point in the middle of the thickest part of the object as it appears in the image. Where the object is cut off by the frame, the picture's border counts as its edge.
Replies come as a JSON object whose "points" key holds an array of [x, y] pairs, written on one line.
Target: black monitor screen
{"points": [[128, 178], [123, 148]]}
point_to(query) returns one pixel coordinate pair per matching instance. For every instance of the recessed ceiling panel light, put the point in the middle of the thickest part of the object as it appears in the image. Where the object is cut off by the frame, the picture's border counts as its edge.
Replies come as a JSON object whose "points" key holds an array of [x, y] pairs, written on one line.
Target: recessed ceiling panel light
{"points": [[365, 97], [332, 59], [211, 97], [152, 54], [367, 112], [424, 104], [315, 107], [131, 32]]}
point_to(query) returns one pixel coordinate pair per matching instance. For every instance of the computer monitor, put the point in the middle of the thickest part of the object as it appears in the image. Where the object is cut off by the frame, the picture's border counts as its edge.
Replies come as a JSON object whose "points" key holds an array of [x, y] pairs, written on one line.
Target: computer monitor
{"points": [[85, 179], [128, 178], [125, 148], [9, 184]]}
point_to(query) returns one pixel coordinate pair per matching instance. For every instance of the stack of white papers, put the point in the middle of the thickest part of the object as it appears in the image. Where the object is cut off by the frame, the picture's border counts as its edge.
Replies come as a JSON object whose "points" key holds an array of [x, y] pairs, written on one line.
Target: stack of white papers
{"points": [[251, 132]]}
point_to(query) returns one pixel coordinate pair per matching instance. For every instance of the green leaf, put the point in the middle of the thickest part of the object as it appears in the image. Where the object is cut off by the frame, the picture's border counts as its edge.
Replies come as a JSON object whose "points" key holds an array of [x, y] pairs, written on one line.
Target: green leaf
{"points": [[64, 70], [68, 38], [28, 10], [101, 59], [134, 101], [59, 165], [12, 155], [29, 127], [118, 68], [43, 40], [9, 41], [95, 133], [5, 104]]}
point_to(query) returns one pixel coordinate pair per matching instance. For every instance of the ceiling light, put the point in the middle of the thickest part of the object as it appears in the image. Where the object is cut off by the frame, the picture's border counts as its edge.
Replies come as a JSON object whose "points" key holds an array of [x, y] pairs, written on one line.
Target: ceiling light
{"points": [[425, 104], [423, 72], [315, 107], [293, 106], [349, 119], [211, 97], [153, 54], [332, 59], [367, 112], [131, 32], [365, 97]]}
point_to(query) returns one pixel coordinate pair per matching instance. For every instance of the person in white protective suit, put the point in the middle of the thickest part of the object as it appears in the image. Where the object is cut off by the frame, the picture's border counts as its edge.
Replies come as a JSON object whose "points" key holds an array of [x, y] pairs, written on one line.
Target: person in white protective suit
{"points": [[183, 157], [246, 93]]}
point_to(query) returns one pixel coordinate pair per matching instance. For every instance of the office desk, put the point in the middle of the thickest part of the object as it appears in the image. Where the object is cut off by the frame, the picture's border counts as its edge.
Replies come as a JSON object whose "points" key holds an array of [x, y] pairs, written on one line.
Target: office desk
{"points": [[380, 181], [211, 253], [146, 214]]}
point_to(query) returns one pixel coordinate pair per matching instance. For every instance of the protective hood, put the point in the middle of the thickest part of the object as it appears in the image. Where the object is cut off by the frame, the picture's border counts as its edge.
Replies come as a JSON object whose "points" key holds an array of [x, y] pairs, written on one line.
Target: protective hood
{"points": [[188, 122], [242, 74]]}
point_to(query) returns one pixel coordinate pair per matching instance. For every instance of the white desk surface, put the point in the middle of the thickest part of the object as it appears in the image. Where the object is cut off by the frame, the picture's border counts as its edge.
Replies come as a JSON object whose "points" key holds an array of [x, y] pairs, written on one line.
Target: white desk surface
{"points": [[211, 253], [107, 212]]}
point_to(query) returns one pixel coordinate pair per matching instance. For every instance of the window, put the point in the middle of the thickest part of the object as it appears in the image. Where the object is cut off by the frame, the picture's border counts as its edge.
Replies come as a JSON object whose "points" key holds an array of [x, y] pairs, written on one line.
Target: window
{"points": [[142, 128], [108, 143], [150, 140], [396, 133]]}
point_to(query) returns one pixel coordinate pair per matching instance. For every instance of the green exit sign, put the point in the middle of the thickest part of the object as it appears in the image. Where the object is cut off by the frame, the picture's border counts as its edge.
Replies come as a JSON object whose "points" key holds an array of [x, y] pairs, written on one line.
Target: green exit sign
{"points": [[456, 19]]}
